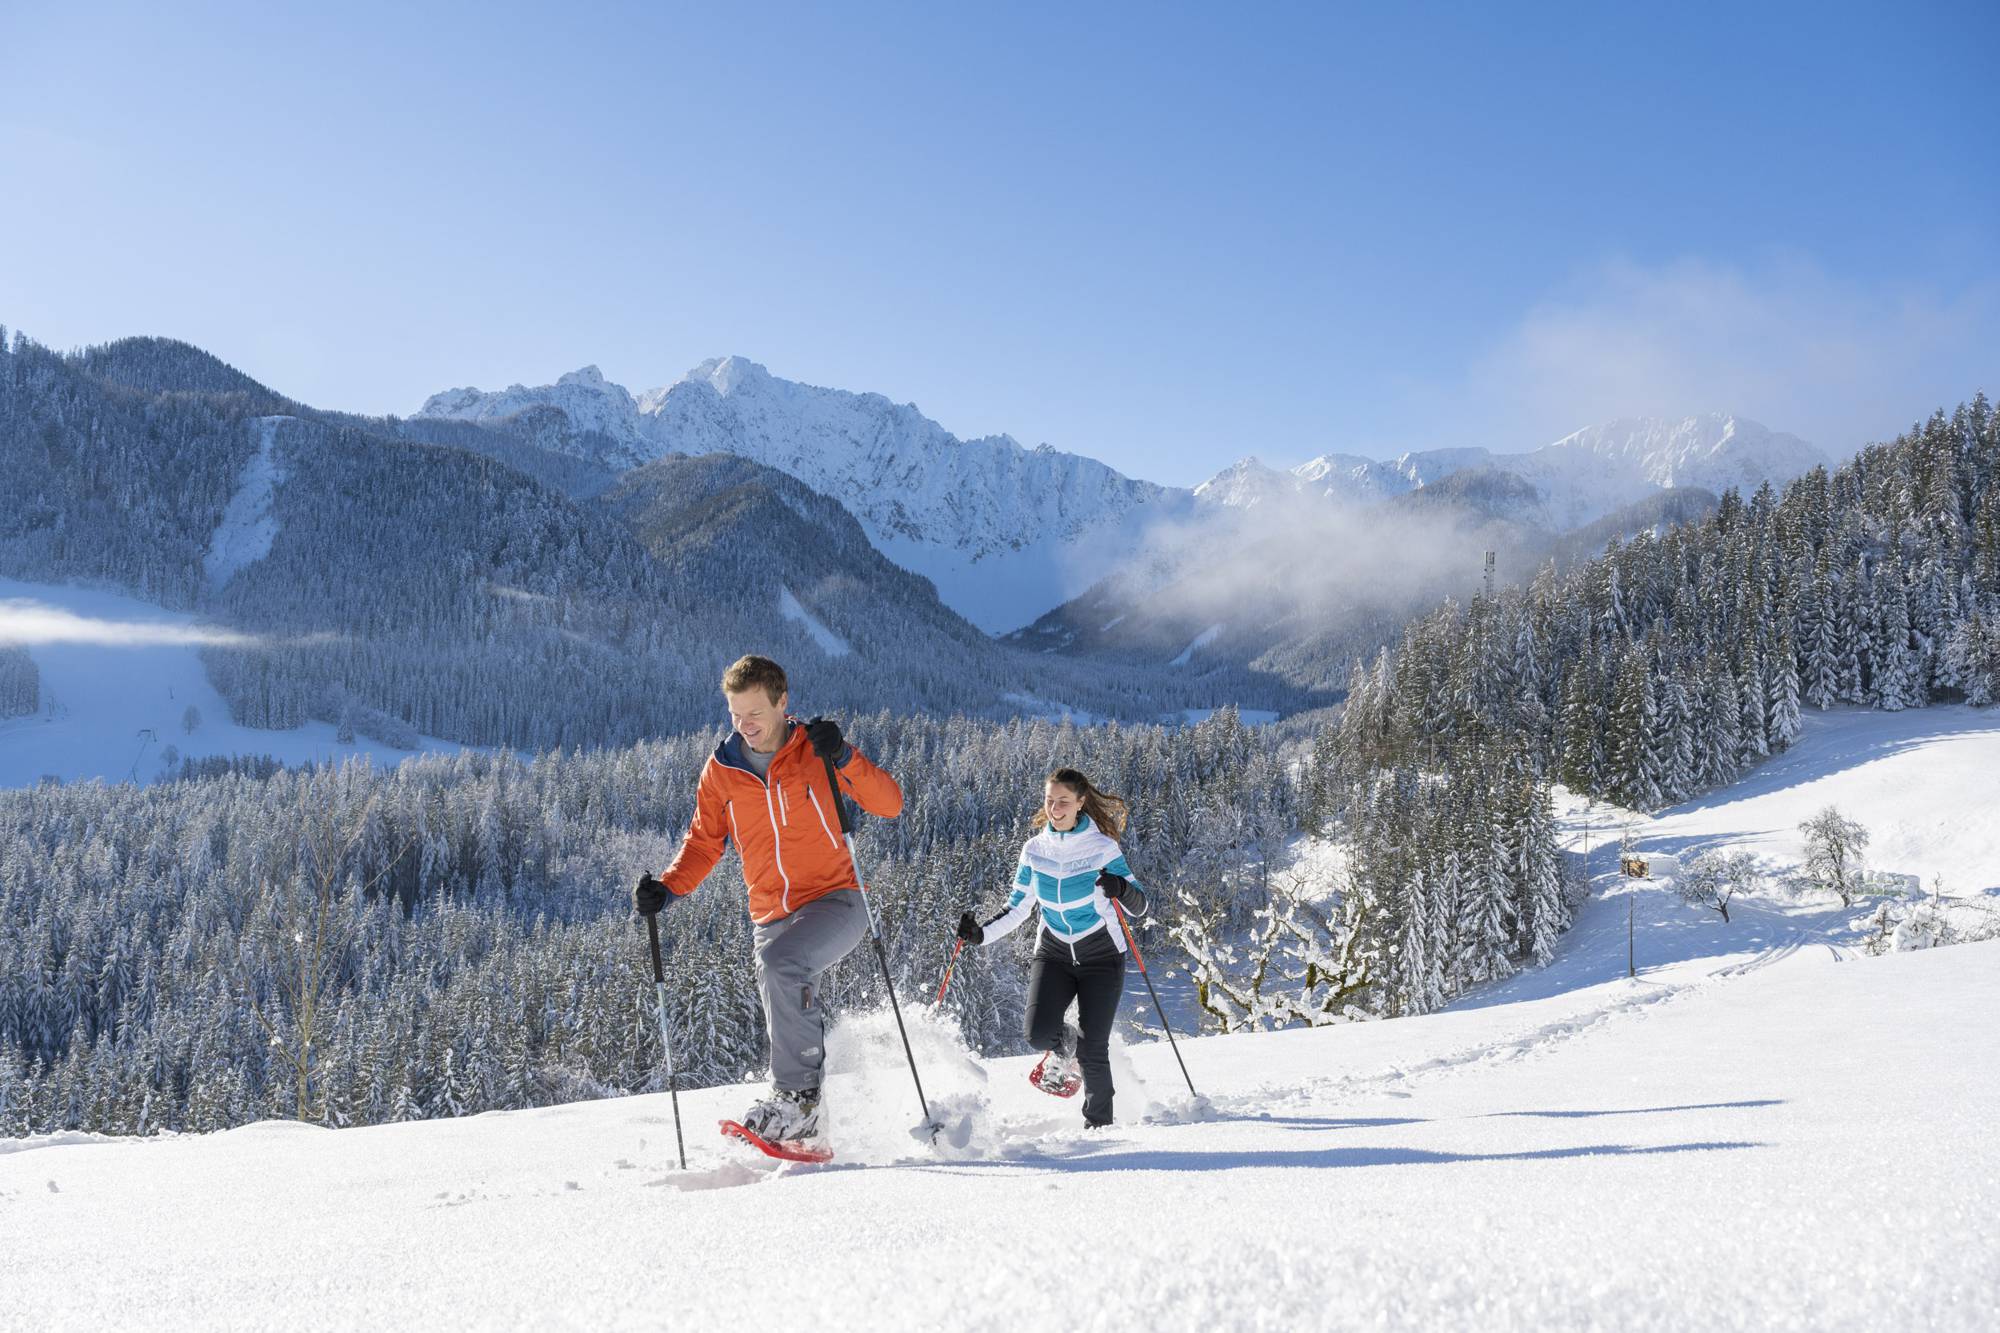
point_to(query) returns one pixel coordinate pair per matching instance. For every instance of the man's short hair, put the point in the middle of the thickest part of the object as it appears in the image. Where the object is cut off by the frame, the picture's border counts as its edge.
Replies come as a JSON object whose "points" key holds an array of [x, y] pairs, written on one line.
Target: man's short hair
{"points": [[751, 671]]}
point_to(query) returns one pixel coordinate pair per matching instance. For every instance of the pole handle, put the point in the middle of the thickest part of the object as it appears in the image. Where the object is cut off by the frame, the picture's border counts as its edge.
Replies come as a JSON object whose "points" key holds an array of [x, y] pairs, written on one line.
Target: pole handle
{"points": [[958, 949], [1130, 943]]}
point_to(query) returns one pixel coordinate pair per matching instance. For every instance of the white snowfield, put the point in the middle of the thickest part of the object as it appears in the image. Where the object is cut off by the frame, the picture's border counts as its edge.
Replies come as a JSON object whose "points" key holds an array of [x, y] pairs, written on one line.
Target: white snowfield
{"points": [[248, 528], [829, 643], [1200, 641], [117, 678], [1761, 1131], [1925, 783]]}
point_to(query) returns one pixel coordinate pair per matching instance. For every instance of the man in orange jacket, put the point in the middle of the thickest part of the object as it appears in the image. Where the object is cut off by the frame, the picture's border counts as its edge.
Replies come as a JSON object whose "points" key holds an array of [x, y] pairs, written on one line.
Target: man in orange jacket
{"points": [[765, 789]]}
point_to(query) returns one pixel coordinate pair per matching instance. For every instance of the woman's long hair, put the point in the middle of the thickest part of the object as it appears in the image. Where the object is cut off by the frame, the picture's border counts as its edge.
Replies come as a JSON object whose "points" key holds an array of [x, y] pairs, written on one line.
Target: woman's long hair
{"points": [[1106, 811]]}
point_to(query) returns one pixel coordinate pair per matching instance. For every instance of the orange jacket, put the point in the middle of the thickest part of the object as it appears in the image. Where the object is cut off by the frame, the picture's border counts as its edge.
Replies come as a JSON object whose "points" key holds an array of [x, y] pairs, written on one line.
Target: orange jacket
{"points": [[785, 827]]}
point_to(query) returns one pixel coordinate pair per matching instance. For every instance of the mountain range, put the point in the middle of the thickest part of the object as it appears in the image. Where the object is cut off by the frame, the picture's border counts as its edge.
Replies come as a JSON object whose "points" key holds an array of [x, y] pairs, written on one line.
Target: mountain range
{"points": [[1579, 479], [1008, 533], [1003, 531]]}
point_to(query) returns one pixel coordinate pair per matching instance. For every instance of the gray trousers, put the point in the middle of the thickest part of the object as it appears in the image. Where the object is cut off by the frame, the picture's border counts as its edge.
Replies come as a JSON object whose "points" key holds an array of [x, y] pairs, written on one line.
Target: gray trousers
{"points": [[792, 953]]}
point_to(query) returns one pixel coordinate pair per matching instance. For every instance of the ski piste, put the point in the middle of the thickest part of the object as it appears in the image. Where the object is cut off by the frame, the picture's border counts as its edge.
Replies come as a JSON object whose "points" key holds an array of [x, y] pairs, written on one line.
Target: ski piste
{"points": [[1062, 1087], [790, 1150]]}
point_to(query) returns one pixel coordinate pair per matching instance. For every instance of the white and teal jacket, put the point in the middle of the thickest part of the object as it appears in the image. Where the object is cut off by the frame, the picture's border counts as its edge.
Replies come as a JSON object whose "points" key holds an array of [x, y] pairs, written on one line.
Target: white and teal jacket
{"points": [[1058, 872]]}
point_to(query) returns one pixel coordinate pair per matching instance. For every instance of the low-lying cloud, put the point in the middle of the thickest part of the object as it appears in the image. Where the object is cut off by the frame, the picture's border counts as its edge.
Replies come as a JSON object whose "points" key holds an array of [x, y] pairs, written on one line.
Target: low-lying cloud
{"points": [[31, 624], [1295, 584]]}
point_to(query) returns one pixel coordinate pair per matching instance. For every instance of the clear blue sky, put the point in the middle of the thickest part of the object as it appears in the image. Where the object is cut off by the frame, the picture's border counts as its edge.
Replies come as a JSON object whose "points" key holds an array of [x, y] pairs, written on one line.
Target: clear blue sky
{"points": [[1166, 236]]}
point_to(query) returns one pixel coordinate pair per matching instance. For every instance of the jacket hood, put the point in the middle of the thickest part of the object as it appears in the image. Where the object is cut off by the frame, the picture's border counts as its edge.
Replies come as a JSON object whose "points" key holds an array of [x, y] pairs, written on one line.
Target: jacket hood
{"points": [[734, 752]]}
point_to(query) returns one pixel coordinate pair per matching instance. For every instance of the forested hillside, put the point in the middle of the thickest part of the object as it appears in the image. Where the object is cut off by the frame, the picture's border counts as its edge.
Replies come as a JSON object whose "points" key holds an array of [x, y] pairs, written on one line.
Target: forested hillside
{"points": [[1668, 666], [455, 936], [1673, 662]]}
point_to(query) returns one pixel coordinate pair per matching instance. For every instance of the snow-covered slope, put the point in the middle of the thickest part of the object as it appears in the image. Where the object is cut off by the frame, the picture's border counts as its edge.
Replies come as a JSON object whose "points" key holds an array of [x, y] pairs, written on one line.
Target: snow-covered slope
{"points": [[1694, 1147], [118, 677], [1005, 532], [247, 529], [1920, 781], [1579, 478]]}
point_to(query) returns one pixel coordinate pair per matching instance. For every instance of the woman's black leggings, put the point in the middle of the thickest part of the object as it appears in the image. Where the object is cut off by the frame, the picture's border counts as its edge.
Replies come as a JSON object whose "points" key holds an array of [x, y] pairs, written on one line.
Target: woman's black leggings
{"points": [[1095, 979]]}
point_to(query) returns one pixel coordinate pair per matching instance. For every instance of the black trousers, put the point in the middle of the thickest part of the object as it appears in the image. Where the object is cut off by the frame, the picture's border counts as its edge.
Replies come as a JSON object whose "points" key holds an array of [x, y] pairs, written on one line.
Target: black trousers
{"points": [[1095, 979]]}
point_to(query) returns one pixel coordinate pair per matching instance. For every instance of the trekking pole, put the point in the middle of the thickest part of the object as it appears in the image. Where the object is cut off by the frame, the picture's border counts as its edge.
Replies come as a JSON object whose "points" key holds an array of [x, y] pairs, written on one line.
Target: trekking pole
{"points": [[660, 994], [875, 929], [1125, 926], [956, 949]]}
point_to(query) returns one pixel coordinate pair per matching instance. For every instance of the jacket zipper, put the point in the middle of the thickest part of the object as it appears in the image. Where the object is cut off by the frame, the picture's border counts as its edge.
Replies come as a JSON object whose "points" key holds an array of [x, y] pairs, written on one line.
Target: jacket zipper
{"points": [[813, 796], [1074, 960]]}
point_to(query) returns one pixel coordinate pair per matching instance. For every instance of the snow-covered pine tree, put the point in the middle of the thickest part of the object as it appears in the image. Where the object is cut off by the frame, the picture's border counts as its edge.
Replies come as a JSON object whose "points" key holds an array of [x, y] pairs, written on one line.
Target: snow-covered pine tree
{"points": [[1545, 911], [1782, 689]]}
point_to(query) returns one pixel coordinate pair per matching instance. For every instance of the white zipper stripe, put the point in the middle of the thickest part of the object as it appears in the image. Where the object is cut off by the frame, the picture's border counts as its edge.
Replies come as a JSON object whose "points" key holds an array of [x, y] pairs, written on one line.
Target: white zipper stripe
{"points": [[813, 796], [778, 855], [738, 835]]}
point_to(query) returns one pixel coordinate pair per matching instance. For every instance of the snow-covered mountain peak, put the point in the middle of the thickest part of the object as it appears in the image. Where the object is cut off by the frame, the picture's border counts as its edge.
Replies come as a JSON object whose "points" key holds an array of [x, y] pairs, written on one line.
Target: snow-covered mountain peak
{"points": [[591, 402], [1714, 450], [1247, 481], [1250, 481], [724, 374]]}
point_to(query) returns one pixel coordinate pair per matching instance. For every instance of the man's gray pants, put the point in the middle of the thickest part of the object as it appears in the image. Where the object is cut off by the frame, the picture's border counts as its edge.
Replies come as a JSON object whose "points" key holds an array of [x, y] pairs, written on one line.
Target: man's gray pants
{"points": [[792, 953]]}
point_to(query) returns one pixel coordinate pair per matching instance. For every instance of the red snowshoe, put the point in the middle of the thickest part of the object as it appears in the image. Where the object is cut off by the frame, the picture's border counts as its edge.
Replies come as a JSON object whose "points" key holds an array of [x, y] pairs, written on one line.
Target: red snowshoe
{"points": [[791, 1150], [1057, 1075]]}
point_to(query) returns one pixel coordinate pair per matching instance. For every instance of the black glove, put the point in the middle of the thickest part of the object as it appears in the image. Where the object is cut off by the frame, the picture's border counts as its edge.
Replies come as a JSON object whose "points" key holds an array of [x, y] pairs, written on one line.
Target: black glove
{"points": [[970, 930], [1112, 886], [827, 742], [649, 895]]}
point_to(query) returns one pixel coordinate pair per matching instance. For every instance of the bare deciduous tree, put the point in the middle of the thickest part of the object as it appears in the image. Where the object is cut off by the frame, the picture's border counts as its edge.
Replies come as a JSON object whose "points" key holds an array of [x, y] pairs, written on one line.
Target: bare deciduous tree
{"points": [[1712, 878], [1834, 847]]}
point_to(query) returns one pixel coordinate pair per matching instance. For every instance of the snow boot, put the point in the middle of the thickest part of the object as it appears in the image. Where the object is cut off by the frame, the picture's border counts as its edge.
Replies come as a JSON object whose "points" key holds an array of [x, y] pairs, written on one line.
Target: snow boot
{"points": [[1060, 1073], [785, 1117]]}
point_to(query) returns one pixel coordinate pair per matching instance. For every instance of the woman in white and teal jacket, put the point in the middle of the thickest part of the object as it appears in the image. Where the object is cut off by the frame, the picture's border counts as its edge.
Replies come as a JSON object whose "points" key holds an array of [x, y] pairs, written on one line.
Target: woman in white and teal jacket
{"points": [[1074, 870]]}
